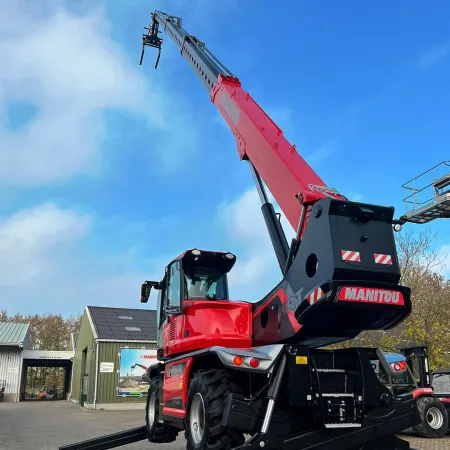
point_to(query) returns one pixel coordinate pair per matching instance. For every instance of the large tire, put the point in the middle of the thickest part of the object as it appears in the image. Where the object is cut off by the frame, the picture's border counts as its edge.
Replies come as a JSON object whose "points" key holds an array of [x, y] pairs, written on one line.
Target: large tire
{"points": [[434, 418], [157, 432], [206, 397]]}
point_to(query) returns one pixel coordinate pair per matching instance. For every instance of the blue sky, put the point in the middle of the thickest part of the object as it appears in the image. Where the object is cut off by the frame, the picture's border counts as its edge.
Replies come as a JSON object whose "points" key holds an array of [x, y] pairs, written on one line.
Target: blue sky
{"points": [[110, 169]]}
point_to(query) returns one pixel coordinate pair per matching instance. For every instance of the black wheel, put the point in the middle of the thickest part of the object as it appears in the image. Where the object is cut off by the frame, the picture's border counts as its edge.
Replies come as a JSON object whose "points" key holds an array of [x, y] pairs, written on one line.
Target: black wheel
{"points": [[434, 418], [206, 398], [157, 432]]}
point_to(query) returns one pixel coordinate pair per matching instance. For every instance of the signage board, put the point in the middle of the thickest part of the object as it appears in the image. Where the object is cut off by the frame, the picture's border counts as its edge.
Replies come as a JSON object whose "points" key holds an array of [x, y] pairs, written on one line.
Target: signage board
{"points": [[107, 367], [133, 364]]}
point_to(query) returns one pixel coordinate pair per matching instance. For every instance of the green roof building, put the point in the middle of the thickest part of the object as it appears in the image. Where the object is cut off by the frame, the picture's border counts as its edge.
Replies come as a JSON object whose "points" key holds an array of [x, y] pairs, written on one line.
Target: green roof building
{"points": [[113, 349]]}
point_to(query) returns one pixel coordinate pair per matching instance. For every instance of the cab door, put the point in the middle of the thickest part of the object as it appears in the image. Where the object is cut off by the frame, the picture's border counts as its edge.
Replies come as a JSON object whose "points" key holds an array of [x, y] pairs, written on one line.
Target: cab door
{"points": [[172, 319]]}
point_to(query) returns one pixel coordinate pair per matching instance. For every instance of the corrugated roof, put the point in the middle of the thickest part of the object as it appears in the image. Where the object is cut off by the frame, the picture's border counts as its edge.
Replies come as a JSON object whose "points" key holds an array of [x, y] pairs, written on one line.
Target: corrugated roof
{"points": [[124, 324], [13, 333]]}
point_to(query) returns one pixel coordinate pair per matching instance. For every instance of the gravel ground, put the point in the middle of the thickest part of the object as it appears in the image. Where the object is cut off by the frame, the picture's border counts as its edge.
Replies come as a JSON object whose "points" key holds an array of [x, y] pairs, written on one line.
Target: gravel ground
{"points": [[48, 425]]}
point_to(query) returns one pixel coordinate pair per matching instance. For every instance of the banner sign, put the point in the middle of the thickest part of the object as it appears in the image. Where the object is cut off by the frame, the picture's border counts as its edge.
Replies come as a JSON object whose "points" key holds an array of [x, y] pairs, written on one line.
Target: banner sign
{"points": [[133, 364]]}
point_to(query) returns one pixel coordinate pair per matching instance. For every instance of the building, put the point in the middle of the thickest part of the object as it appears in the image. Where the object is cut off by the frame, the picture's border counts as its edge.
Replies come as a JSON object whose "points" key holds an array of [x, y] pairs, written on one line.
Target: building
{"points": [[113, 349], [14, 339], [44, 359]]}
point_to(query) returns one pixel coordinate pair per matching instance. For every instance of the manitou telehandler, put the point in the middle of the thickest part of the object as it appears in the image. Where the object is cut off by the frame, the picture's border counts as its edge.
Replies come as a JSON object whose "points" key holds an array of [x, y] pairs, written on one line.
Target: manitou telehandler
{"points": [[230, 369]]}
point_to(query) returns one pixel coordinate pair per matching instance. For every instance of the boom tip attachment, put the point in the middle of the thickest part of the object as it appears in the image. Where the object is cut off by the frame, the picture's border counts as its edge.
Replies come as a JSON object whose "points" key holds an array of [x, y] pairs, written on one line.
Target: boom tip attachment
{"points": [[151, 39]]}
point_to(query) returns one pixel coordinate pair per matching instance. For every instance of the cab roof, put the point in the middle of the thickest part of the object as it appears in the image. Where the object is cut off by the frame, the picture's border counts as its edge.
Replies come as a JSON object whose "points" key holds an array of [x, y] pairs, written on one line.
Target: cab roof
{"points": [[394, 357]]}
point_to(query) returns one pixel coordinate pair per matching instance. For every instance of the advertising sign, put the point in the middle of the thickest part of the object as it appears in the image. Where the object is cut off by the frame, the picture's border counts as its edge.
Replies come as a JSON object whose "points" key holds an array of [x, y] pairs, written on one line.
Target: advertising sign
{"points": [[133, 364]]}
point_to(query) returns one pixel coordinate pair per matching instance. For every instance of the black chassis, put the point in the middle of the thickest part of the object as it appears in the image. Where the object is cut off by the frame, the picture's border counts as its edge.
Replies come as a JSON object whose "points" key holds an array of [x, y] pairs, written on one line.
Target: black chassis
{"points": [[300, 409], [309, 415]]}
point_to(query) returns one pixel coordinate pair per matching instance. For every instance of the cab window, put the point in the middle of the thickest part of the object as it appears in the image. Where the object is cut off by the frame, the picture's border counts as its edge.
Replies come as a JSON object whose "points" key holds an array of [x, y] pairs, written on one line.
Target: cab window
{"points": [[441, 383], [205, 283], [174, 285]]}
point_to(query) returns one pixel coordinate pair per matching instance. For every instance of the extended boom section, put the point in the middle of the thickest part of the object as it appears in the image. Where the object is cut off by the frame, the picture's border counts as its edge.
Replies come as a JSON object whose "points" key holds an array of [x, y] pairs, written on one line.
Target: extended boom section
{"points": [[259, 140]]}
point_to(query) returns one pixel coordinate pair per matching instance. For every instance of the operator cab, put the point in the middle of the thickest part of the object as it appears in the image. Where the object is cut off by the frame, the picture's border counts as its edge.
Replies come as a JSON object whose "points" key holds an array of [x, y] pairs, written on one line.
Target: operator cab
{"points": [[194, 275], [194, 278], [398, 379], [204, 275]]}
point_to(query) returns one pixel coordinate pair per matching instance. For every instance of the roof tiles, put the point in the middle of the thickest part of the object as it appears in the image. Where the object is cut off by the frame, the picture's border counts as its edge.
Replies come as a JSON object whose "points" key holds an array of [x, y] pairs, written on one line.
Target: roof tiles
{"points": [[123, 324]]}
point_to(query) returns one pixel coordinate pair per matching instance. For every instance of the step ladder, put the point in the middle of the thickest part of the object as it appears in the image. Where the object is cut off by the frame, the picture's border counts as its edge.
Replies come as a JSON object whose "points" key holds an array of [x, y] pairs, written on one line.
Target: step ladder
{"points": [[427, 196], [337, 401]]}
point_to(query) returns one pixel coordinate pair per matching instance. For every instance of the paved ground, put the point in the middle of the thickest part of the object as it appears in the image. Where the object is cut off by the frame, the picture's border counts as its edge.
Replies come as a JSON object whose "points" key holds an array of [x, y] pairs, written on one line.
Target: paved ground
{"points": [[48, 425]]}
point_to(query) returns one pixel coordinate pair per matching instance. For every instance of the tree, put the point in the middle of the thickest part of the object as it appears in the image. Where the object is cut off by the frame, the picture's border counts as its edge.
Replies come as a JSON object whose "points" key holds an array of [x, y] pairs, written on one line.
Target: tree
{"points": [[49, 331]]}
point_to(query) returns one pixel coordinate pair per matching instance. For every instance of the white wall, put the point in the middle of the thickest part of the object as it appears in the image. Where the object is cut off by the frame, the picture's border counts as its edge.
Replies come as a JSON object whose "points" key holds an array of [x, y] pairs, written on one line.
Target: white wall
{"points": [[10, 370]]}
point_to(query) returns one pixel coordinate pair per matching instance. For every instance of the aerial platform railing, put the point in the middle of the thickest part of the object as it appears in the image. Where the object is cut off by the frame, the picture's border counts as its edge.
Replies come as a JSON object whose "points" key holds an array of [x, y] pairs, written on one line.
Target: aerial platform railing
{"points": [[427, 196]]}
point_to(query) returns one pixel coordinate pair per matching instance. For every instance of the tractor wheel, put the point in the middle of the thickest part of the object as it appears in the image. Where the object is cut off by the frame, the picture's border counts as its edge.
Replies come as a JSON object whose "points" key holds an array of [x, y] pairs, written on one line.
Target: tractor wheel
{"points": [[206, 398], [434, 418], [156, 431]]}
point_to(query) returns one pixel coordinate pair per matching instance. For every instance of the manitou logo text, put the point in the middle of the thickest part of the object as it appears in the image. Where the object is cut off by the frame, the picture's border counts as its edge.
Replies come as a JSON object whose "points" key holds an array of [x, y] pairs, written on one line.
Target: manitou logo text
{"points": [[325, 190], [230, 108], [366, 295]]}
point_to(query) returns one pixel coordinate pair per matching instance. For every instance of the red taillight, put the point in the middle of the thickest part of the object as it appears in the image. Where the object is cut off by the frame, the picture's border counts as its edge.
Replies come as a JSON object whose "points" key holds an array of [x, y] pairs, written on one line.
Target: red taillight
{"points": [[237, 360], [254, 363], [399, 366]]}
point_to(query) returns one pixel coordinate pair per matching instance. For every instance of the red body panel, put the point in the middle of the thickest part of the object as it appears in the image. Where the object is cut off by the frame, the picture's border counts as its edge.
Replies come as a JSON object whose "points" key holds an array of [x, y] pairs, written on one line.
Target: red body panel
{"points": [[206, 323], [266, 335], [422, 391], [176, 377], [284, 171]]}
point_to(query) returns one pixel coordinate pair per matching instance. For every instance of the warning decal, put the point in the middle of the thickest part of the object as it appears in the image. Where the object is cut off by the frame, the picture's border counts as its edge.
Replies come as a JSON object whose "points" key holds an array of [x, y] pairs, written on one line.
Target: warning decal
{"points": [[348, 255], [314, 296], [383, 259]]}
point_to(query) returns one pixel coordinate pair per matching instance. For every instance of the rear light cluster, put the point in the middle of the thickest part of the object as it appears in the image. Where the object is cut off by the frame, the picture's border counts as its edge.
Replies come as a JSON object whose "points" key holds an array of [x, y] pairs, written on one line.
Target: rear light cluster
{"points": [[250, 362], [399, 366]]}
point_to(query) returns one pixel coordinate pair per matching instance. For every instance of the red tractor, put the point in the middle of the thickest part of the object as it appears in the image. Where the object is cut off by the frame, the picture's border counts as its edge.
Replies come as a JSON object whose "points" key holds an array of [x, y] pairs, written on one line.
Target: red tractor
{"points": [[432, 393], [228, 369]]}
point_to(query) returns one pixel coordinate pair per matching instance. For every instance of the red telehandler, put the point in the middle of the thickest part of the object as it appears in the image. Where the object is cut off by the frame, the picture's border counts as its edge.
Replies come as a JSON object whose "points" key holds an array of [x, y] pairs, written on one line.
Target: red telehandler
{"points": [[229, 369]]}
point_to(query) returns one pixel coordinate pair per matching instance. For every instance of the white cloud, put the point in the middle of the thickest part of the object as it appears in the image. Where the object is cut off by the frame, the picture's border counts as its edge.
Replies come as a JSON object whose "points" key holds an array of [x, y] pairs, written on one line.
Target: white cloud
{"points": [[43, 267], [70, 69], [354, 196], [434, 55], [324, 151], [31, 237], [256, 270]]}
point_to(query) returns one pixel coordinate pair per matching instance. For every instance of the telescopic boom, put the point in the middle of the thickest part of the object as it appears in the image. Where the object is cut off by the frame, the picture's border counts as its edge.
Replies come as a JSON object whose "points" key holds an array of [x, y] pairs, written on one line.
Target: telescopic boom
{"points": [[293, 183]]}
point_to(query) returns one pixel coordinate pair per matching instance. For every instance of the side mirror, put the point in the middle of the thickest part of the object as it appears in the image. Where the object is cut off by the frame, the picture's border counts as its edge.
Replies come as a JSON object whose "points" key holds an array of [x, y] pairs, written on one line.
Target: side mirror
{"points": [[147, 287], [145, 292]]}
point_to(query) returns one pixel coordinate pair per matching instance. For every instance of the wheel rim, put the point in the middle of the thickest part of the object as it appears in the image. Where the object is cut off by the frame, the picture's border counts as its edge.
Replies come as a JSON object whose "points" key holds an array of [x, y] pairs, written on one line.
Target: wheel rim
{"points": [[435, 418], [151, 410], [197, 418]]}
